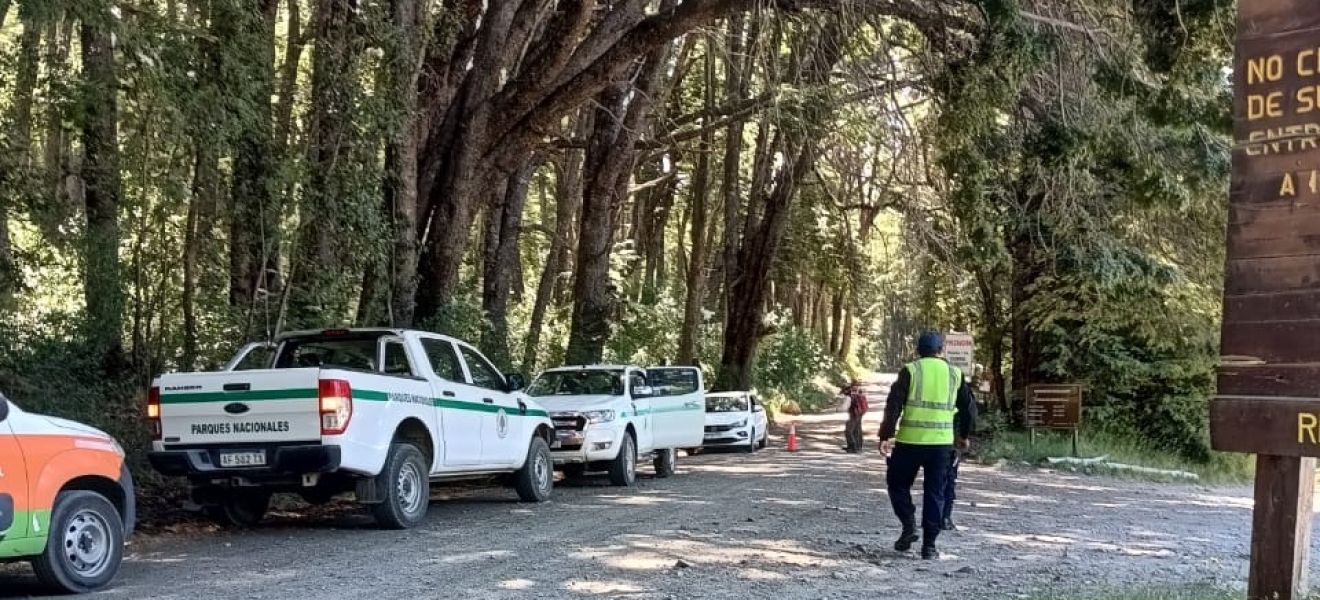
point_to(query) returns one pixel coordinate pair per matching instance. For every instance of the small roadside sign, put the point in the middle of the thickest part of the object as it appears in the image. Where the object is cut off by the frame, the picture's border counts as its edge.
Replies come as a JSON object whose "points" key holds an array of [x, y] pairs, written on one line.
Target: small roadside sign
{"points": [[960, 351]]}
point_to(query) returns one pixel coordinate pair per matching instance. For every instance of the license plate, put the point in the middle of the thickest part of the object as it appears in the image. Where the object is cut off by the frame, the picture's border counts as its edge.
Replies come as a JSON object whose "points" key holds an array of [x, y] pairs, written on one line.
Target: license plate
{"points": [[556, 444], [714, 435], [243, 459]]}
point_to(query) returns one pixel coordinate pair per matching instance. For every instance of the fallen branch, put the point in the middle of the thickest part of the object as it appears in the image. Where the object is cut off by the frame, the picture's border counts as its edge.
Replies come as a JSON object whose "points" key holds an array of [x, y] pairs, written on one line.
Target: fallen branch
{"points": [[1103, 461]]}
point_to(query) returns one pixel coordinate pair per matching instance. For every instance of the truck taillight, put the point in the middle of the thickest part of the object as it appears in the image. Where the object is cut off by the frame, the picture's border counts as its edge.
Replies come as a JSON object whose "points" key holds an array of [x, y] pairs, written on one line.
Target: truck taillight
{"points": [[336, 406], [153, 411]]}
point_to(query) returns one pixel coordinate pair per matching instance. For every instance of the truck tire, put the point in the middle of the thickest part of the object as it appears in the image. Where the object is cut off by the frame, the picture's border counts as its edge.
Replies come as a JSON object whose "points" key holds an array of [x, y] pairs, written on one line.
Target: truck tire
{"points": [[240, 508], [666, 462], [86, 544], [407, 488], [623, 469], [536, 478]]}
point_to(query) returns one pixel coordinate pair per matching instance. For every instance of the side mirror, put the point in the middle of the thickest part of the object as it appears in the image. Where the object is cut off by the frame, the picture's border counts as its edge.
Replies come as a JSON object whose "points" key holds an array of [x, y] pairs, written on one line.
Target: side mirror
{"points": [[515, 381], [643, 391], [4, 408]]}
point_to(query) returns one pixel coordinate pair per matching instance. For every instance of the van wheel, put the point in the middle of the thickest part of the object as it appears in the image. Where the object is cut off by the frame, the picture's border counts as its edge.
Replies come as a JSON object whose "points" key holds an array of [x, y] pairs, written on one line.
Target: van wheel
{"points": [[85, 546], [406, 486], [623, 469], [240, 508], [666, 462], [537, 476]]}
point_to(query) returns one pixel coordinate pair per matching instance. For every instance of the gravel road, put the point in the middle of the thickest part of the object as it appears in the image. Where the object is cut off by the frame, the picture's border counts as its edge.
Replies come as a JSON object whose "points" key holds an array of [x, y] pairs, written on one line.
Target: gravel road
{"points": [[811, 524]]}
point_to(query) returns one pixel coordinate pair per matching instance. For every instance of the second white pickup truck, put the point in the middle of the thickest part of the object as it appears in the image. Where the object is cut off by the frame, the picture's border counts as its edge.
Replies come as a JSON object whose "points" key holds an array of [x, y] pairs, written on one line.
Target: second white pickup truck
{"points": [[607, 417], [378, 412]]}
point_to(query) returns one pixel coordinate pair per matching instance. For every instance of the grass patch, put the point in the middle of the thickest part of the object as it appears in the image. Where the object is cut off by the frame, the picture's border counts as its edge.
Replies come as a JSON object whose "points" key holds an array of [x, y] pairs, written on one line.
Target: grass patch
{"points": [[1014, 446]]}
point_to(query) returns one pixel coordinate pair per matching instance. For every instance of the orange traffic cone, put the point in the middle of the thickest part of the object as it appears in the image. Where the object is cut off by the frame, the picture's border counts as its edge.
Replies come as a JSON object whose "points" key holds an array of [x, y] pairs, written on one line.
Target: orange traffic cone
{"points": [[792, 437]]}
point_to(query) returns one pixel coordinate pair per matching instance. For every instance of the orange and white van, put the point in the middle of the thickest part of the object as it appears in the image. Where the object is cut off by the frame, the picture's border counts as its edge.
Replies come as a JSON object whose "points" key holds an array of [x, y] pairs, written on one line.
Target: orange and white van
{"points": [[66, 499]]}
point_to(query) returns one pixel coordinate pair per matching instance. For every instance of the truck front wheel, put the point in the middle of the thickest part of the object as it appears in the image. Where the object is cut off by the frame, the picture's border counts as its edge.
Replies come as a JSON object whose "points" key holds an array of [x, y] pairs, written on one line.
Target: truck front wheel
{"points": [[406, 486], [537, 476], [623, 469], [240, 508]]}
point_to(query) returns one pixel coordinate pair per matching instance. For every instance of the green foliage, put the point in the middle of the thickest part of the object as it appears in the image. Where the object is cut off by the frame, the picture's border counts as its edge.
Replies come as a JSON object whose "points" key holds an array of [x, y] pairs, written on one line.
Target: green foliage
{"points": [[53, 367]]}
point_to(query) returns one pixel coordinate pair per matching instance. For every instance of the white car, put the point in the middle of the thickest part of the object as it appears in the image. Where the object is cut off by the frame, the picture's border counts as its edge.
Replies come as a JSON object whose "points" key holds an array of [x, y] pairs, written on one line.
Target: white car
{"points": [[608, 416], [378, 412], [735, 419]]}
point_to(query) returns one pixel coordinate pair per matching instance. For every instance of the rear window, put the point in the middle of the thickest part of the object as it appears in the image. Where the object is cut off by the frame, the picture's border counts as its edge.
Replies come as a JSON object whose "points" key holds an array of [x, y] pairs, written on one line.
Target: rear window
{"points": [[354, 351], [719, 404]]}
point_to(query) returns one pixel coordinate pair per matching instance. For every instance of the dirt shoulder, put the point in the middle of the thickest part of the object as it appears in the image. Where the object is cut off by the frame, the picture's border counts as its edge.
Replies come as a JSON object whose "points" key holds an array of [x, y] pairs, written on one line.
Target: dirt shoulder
{"points": [[811, 524]]}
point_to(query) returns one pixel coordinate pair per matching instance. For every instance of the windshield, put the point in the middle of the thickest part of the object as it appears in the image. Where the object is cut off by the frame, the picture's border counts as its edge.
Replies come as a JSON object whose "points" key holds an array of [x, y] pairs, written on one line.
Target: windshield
{"points": [[594, 382], [718, 404], [349, 351]]}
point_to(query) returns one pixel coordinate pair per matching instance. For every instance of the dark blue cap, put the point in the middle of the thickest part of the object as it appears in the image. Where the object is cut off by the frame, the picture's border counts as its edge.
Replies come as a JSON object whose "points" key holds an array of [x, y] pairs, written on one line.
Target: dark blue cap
{"points": [[930, 343]]}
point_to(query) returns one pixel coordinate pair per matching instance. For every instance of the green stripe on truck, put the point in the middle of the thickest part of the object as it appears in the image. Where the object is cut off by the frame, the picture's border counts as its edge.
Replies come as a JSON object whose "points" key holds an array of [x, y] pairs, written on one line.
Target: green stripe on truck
{"points": [[313, 394]]}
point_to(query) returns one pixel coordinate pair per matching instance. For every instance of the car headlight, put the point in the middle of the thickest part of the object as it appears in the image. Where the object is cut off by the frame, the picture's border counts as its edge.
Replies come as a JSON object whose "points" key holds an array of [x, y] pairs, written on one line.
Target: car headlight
{"points": [[599, 416], [742, 423]]}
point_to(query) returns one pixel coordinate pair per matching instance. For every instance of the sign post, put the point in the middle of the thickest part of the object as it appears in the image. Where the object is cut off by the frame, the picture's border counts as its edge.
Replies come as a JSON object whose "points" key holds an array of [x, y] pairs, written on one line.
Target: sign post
{"points": [[960, 351], [1056, 407], [1268, 400]]}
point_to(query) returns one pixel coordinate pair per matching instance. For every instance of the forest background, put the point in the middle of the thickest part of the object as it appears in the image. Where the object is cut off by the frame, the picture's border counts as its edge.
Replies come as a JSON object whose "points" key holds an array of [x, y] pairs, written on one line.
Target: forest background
{"points": [[786, 191]]}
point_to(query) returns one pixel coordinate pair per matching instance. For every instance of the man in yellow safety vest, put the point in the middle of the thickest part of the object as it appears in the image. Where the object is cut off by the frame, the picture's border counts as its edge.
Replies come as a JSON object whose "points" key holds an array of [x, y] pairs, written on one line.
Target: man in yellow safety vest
{"points": [[929, 412]]}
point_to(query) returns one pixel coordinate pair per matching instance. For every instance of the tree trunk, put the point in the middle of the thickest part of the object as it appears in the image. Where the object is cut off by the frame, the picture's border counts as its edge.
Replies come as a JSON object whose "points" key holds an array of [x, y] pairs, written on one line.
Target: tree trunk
{"points": [[61, 189], [611, 157], [289, 79], [693, 303], [1025, 354], [321, 292], [100, 170], [504, 225], [568, 198], [248, 78], [604, 167], [410, 19], [731, 184], [15, 164], [836, 323], [764, 234]]}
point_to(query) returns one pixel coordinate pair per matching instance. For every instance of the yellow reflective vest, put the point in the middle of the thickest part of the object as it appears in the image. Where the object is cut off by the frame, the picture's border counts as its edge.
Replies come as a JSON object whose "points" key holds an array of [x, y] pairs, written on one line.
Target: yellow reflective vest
{"points": [[931, 403]]}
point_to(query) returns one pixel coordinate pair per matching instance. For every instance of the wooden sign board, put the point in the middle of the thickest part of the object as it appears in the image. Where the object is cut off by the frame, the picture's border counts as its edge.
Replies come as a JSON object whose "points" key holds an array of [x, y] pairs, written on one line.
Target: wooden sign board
{"points": [[1053, 406], [1269, 377]]}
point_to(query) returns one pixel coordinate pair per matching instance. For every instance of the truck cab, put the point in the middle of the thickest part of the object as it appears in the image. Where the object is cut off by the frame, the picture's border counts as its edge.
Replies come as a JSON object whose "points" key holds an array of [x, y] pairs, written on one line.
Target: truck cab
{"points": [[377, 412], [607, 417], [67, 501]]}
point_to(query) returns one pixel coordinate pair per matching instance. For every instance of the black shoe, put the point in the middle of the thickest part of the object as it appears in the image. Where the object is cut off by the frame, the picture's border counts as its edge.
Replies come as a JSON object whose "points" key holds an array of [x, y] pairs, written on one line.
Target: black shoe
{"points": [[905, 541], [949, 526], [929, 553]]}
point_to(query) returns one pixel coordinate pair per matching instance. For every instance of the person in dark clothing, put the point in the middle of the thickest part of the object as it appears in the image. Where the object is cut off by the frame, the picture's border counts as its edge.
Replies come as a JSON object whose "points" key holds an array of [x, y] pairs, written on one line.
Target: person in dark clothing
{"points": [[857, 408], [928, 415]]}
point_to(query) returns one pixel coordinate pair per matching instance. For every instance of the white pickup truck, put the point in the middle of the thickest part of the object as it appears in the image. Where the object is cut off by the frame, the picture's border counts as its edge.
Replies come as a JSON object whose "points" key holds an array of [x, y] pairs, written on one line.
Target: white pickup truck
{"points": [[379, 412], [607, 416]]}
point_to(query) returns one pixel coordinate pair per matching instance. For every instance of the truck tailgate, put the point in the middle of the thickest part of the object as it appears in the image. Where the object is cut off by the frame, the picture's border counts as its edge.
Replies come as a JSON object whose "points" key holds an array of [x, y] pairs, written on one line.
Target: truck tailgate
{"points": [[240, 407]]}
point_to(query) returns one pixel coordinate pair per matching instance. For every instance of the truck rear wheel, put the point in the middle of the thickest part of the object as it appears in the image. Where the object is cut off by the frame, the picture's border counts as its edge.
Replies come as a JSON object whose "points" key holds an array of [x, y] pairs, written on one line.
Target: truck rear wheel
{"points": [[85, 546], [407, 488], [536, 478], [666, 462], [623, 469], [240, 507]]}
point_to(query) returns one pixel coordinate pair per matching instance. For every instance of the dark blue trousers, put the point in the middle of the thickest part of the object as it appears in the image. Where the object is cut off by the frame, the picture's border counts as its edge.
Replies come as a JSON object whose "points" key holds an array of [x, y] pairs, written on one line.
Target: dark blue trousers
{"points": [[903, 464], [951, 482]]}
